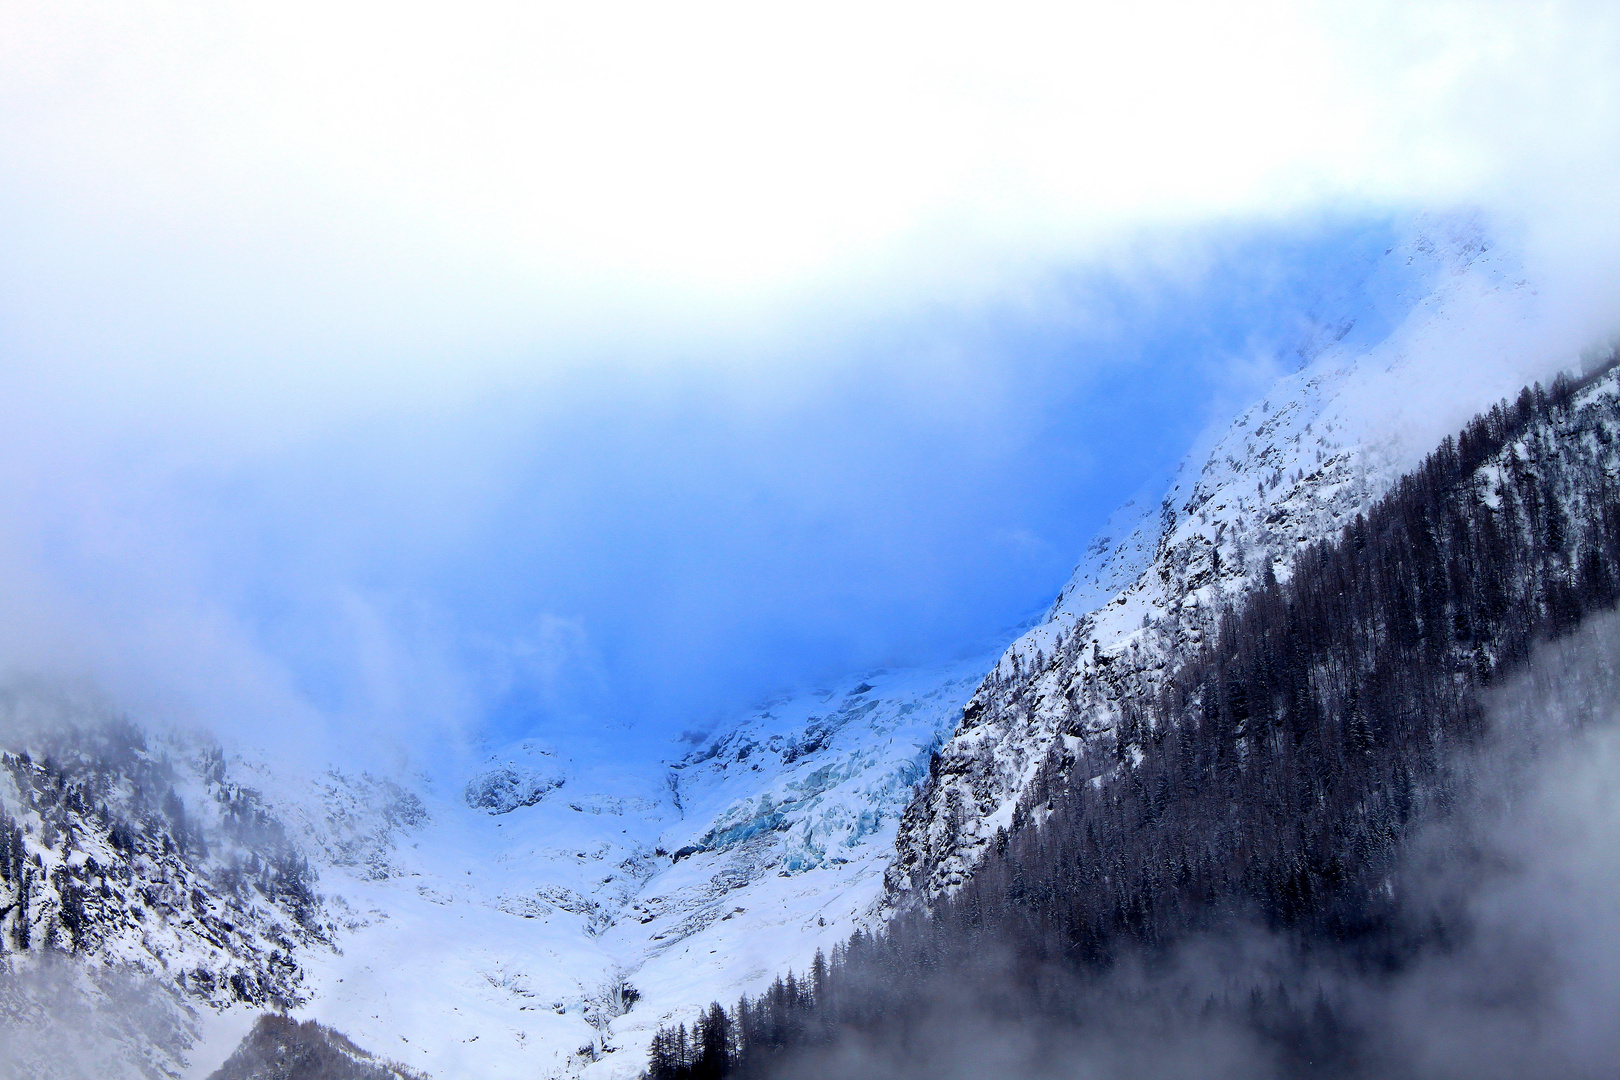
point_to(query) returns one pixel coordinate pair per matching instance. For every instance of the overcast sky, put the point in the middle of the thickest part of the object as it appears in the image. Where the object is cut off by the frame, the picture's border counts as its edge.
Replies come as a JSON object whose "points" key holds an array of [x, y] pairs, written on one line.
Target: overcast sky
{"points": [[426, 369]]}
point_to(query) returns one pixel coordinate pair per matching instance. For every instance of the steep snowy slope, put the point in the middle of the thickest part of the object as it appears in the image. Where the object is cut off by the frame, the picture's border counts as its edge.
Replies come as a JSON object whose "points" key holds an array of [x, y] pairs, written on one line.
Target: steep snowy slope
{"points": [[1292, 468], [141, 886]]}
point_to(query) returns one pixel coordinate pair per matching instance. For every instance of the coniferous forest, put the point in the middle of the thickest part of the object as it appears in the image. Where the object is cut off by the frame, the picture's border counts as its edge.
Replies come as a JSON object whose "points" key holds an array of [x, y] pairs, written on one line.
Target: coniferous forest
{"points": [[1240, 860]]}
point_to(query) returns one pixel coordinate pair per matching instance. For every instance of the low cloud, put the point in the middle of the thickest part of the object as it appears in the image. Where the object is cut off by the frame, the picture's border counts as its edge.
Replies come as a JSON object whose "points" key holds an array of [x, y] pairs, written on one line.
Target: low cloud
{"points": [[338, 349]]}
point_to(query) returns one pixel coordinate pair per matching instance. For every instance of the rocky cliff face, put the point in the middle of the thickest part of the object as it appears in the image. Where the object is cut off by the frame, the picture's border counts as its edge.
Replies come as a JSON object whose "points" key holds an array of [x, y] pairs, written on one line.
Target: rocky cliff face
{"points": [[1293, 468], [139, 883]]}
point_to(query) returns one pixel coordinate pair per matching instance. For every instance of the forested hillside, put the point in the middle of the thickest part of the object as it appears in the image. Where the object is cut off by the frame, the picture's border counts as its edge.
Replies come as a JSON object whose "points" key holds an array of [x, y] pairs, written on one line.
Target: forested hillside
{"points": [[1324, 444], [1259, 812]]}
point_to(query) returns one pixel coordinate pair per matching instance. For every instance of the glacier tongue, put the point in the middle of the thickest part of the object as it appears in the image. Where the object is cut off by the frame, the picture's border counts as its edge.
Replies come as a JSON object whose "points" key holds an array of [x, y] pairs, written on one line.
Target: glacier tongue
{"points": [[790, 818], [1291, 469], [553, 936]]}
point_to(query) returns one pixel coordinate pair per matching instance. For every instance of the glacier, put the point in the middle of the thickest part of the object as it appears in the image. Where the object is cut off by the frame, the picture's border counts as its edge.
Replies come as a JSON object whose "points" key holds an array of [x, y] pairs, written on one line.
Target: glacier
{"points": [[554, 937]]}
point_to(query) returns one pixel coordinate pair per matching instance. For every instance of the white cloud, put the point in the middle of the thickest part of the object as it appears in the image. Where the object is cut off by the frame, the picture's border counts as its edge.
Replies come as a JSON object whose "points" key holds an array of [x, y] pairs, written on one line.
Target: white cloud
{"points": [[725, 149], [257, 221], [287, 290]]}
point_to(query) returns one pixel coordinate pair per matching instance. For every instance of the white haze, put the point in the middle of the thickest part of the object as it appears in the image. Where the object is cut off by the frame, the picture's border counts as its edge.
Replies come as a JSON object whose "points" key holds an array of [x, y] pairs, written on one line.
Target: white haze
{"points": [[288, 214], [249, 248]]}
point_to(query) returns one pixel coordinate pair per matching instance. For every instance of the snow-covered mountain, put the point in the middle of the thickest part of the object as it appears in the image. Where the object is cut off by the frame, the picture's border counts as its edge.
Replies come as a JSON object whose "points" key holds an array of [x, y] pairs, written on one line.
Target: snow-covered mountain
{"points": [[1293, 468], [543, 914], [555, 907], [537, 914], [541, 911]]}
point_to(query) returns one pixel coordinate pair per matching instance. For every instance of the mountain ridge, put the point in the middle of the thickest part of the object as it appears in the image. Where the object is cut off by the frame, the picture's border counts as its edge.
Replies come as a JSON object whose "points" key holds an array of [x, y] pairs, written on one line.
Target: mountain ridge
{"points": [[1322, 444]]}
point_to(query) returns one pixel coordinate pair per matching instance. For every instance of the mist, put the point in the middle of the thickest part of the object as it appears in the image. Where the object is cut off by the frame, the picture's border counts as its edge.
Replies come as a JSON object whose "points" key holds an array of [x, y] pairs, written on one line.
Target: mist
{"points": [[1532, 865], [646, 547], [61, 1019], [1507, 965], [404, 381]]}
